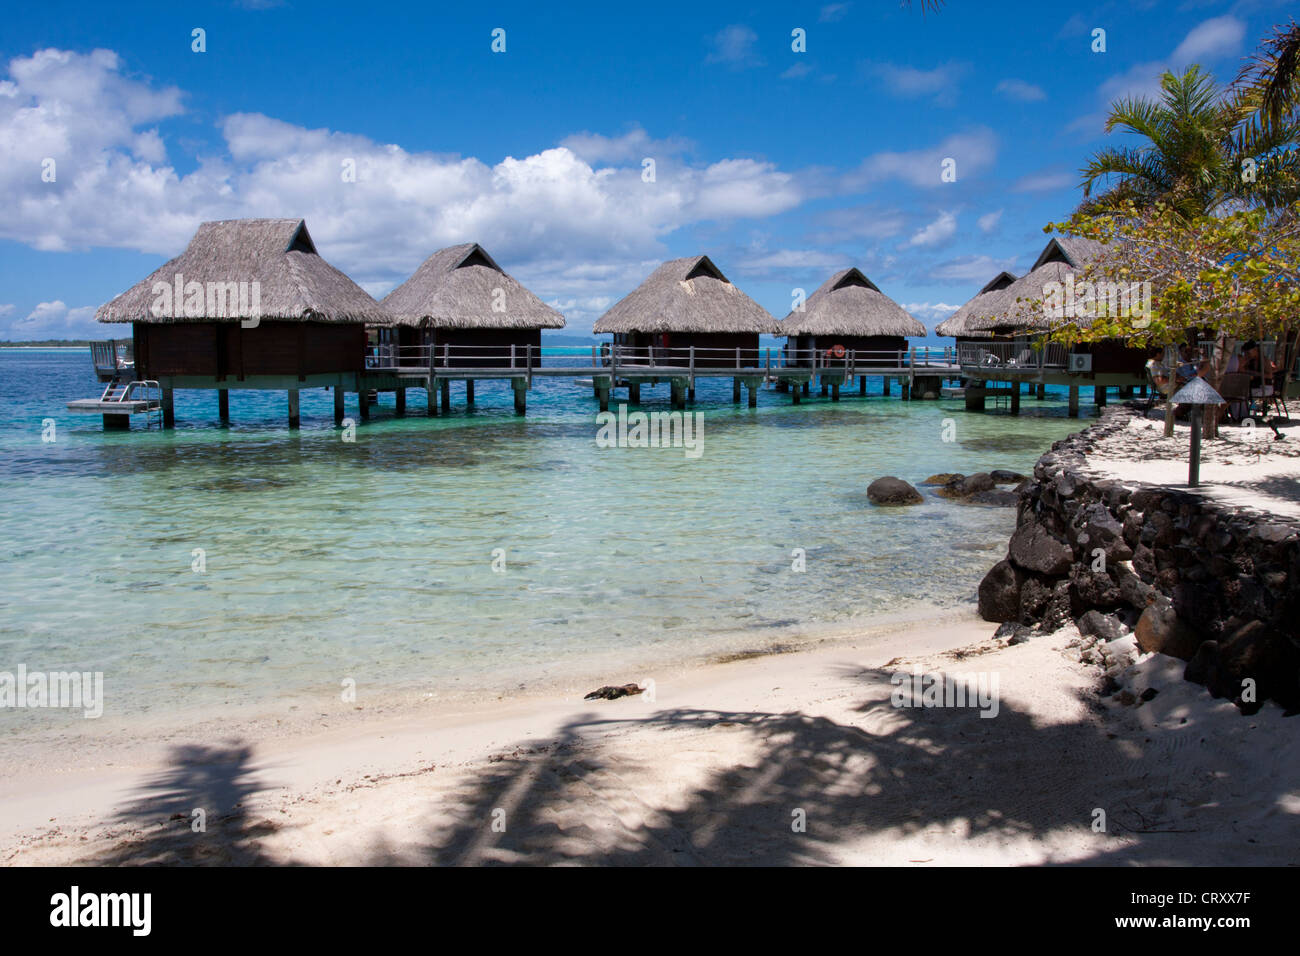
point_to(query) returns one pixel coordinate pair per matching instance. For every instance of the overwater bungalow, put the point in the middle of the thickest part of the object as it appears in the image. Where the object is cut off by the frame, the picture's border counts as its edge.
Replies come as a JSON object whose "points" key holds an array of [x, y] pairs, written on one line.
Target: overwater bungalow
{"points": [[472, 314], [688, 312], [849, 314], [1017, 317], [249, 304], [957, 325]]}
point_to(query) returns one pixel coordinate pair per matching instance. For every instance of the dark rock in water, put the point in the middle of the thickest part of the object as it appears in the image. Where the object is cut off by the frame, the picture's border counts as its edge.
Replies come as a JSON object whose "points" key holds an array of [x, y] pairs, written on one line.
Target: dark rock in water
{"points": [[997, 497], [1034, 549], [944, 478], [966, 486], [1003, 477], [999, 593], [614, 693], [1101, 625], [893, 491], [1159, 630]]}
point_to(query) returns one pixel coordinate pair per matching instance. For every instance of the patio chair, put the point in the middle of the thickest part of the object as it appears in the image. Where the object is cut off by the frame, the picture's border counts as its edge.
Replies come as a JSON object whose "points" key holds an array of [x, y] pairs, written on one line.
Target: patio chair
{"points": [[1236, 392]]}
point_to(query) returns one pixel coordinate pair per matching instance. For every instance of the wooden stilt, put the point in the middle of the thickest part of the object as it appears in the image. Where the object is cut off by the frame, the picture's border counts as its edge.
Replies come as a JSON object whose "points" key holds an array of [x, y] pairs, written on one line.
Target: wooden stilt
{"points": [[602, 394], [797, 393], [521, 395], [293, 408], [431, 398], [862, 385], [363, 405], [1041, 392], [975, 396], [223, 405], [886, 390], [634, 392], [117, 423], [338, 405], [678, 388], [1015, 398], [753, 393], [1074, 401], [835, 391], [1099, 395], [169, 408], [446, 395], [469, 391], [807, 387], [735, 391], [399, 401]]}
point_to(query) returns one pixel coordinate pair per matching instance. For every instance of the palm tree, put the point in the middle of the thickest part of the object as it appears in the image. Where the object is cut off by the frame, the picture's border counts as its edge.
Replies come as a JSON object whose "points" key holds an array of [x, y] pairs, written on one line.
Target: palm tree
{"points": [[1272, 78], [1265, 94], [1189, 158]]}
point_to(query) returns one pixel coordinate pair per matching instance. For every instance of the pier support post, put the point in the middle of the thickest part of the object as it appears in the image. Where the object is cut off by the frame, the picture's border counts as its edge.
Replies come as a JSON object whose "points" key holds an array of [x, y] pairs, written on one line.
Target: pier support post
{"points": [[1041, 392], [783, 386], [117, 423], [835, 391], [1099, 395], [825, 388], [885, 391], [678, 388], [223, 405], [634, 392], [293, 408], [399, 401], [469, 392], [363, 405], [796, 393], [752, 388], [602, 393], [446, 395], [431, 398], [1015, 398], [338, 405], [1074, 401], [807, 386], [521, 395], [735, 391], [169, 407], [975, 395], [690, 394], [862, 385], [1126, 391]]}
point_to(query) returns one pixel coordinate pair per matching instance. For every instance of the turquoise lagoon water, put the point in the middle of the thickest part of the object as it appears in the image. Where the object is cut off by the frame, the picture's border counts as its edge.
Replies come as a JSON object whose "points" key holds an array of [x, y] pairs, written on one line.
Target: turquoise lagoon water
{"points": [[374, 559]]}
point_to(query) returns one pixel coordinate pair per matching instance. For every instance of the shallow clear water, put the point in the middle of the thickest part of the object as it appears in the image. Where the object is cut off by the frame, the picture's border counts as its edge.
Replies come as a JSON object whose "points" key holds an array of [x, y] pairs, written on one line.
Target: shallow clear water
{"points": [[373, 559]]}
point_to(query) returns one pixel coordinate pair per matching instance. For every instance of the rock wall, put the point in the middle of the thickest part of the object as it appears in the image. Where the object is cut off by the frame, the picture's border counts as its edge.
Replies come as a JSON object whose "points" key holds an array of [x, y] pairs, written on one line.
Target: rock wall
{"points": [[1216, 587]]}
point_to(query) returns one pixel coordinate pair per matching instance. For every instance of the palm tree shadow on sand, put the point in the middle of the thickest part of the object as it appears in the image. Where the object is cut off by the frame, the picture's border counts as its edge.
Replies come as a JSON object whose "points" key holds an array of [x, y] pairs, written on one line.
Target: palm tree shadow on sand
{"points": [[158, 826], [941, 772]]}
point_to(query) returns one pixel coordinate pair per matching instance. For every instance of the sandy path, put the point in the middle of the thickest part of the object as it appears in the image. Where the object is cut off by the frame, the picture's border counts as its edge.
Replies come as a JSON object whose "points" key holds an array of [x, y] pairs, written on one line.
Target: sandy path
{"points": [[718, 768]]}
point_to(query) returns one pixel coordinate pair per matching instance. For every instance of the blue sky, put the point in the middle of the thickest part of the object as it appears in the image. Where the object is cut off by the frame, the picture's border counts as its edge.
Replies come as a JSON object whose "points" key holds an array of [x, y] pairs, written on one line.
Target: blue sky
{"points": [[783, 166]]}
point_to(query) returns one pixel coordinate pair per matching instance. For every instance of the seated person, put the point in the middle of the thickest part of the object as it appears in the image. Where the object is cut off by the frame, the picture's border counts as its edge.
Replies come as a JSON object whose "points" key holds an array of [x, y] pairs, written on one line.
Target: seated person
{"points": [[1260, 368]]}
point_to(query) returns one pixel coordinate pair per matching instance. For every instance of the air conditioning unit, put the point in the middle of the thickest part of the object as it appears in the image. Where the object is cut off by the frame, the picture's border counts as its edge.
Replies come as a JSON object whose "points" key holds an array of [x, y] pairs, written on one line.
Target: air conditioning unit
{"points": [[1080, 362]]}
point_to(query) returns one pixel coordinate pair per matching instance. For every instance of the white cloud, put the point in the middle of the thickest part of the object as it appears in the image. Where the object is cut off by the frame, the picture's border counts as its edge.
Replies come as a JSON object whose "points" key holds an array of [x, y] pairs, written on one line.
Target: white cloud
{"points": [[798, 70], [931, 312], [910, 83], [941, 230], [546, 216], [735, 46], [1021, 90], [54, 320], [790, 260], [833, 12], [971, 269], [989, 221], [1045, 180], [1210, 40], [974, 152]]}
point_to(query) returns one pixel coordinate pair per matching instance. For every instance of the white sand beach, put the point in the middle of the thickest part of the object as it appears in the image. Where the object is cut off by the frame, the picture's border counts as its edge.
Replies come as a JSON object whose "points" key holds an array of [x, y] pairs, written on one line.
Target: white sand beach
{"points": [[719, 768]]}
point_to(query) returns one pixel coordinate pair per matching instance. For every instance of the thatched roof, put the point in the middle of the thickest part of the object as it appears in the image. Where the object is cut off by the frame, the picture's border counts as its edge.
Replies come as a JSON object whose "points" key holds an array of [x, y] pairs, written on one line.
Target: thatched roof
{"points": [[462, 287], [294, 283], [848, 303], [1019, 305], [687, 295], [958, 324]]}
